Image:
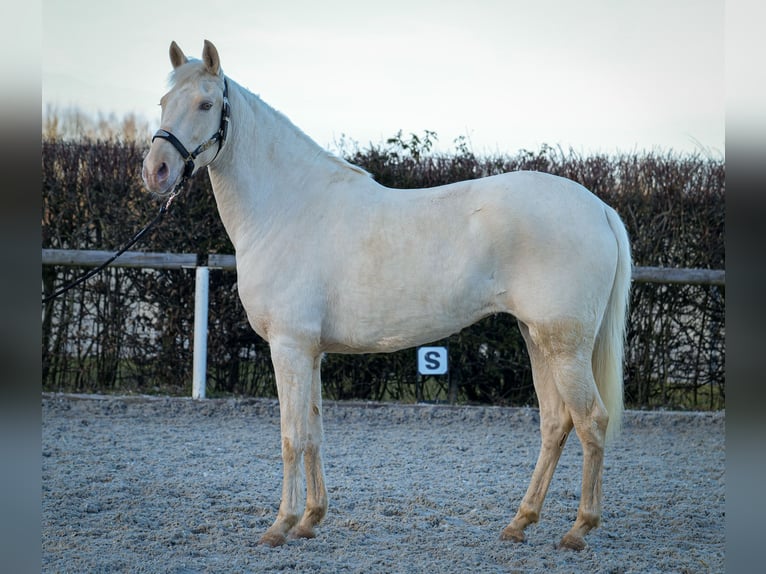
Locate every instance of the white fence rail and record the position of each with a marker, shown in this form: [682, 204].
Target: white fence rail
[202, 265]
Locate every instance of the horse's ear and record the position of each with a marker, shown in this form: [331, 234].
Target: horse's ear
[177, 57]
[211, 59]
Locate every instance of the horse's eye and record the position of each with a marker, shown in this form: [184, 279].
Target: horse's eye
[205, 106]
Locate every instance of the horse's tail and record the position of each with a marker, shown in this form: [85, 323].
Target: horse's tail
[608, 350]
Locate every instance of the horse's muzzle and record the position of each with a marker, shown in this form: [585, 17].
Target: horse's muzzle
[157, 176]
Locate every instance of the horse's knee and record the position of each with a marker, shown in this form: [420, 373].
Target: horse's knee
[292, 450]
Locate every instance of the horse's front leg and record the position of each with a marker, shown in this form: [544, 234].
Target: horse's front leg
[316, 491]
[293, 367]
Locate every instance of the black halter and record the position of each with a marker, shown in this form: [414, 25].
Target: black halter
[218, 137]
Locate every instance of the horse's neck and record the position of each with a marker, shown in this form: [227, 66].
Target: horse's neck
[270, 168]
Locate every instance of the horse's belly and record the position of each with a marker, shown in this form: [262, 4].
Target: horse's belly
[387, 324]
[385, 341]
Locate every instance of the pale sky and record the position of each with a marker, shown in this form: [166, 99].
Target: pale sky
[595, 75]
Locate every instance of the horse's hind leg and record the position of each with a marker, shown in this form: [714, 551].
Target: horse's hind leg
[561, 362]
[316, 491]
[590, 421]
[555, 425]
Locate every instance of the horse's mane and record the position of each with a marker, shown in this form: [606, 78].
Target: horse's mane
[251, 97]
[198, 72]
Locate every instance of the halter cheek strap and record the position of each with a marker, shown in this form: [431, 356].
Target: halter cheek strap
[218, 137]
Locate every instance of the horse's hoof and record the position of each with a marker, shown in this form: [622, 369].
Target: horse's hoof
[302, 532]
[512, 535]
[572, 542]
[272, 539]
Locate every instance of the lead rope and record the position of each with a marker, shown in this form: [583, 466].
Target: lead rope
[157, 218]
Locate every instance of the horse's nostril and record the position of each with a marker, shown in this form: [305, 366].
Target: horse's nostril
[162, 173]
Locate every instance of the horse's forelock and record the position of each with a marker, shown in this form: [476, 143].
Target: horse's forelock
[193, 70]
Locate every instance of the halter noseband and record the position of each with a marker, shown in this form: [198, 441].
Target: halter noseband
[218, 137]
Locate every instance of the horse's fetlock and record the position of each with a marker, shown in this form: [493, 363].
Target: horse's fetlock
[315, 514]
[589, 518]
[528, 514]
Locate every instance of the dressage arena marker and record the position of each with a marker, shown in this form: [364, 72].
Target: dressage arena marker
[432, 360]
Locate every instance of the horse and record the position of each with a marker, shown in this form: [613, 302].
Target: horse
[330, 261]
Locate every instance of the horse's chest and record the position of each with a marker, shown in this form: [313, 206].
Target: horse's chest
[281, 307]
[256, 305]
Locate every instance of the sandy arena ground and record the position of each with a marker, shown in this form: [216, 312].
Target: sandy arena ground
[171, 485]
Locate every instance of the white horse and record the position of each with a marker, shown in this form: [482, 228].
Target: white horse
[328, 260]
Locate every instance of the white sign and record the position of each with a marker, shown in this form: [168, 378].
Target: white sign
[432, 360]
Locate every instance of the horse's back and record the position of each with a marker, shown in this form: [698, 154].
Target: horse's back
[419, 265]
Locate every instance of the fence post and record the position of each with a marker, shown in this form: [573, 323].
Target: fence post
[199, 371]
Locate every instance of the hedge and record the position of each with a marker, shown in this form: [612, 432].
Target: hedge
[130, 330]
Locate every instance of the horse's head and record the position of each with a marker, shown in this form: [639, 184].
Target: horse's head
[195, 107]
